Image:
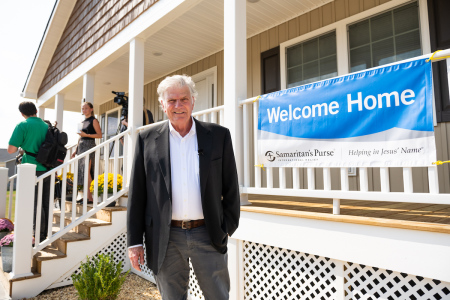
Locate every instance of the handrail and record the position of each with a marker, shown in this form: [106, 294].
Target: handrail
[247, 101]
[209, 110]
[85, 214]
[73, 224]
[84, 154]
[440, 55]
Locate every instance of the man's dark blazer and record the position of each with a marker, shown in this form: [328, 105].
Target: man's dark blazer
[150, 194]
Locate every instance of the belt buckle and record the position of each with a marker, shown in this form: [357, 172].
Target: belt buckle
[183, 224]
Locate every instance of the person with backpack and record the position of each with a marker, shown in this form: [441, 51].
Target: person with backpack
[29, 135]
[90, 131]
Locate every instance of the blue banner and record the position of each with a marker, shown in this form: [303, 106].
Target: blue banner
[385, 104]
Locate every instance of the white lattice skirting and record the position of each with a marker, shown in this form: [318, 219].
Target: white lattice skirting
[275, 273]
[118, 246]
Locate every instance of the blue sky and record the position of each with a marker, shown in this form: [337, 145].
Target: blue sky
[22, 26]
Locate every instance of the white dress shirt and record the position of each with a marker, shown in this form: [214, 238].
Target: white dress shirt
[185, 175]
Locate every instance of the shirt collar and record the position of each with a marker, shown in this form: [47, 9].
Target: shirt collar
[174, 133]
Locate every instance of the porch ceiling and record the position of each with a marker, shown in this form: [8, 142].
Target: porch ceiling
[196, 34]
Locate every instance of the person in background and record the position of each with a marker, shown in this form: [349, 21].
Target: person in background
[29, 135]
[147, 118]
[90, 131]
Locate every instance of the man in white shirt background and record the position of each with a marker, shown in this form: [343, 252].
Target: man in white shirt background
[184, 197]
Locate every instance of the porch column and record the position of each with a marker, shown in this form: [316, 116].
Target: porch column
[41, 112]
[88, 87]
[135, 96]
[59, 108]
[235, 77]
[23, 223]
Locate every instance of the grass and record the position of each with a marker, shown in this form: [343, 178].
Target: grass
[13, 205]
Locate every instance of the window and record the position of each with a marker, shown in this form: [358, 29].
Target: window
[270, 69]
[312, 60]
[386, 38]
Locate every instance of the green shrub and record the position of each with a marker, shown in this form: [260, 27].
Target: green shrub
[100, 278]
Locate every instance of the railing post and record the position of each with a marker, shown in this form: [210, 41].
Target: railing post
[23, 227]
[236, 268]
[3, 190]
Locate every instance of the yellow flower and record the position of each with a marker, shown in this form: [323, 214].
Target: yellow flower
[69, 175]
[101, 183]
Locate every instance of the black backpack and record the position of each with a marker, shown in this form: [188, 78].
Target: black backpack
[52, 152]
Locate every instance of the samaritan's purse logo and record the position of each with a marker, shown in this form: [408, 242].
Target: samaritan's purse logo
[270, 157]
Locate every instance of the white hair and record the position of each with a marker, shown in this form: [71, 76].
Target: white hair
[176, 81]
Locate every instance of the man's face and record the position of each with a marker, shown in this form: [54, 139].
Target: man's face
[178, 106]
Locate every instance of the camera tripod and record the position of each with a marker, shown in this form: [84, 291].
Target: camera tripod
[120, 128]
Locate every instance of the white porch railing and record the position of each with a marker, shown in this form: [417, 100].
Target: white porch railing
[23, 225]
[250, 105]
[210, 115]
[250, 124]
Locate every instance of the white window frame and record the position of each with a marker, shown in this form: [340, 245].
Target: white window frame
[118, 109]
[341, 29]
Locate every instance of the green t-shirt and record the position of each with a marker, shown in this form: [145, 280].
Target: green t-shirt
[29, 135]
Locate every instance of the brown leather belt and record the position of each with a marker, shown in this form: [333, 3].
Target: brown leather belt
[188, 224]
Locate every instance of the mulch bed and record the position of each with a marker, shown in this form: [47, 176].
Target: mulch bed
[135, 287]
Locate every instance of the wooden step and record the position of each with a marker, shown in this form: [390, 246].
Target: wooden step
[58, 248]
[48, 253]
[71, 236]
[104, 214]
[90, 222]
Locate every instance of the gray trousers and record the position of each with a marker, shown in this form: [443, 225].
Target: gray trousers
[210, 266]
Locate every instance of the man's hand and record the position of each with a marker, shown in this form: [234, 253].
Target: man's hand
[136, 255]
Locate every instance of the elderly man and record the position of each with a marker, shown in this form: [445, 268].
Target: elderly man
[184, 197]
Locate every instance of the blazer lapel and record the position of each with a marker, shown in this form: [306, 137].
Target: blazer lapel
[163, 152]
[204, 140]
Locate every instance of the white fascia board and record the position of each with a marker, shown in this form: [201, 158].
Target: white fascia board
[28, 95]
[156, 17]
[415, 252]
[50, 41]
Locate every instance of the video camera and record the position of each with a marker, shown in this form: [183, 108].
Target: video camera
[121, 99]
